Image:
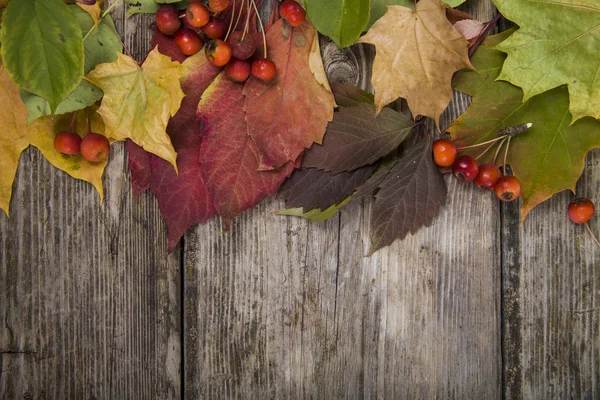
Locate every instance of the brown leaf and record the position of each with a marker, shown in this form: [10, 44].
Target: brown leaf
[417, 52]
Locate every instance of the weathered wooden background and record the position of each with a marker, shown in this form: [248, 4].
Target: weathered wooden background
[476, 306]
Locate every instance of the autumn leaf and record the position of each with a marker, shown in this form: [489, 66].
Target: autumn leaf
[371, 185]
[358, 137]
[228, 154]
[287, 115]
[316, 214]
[311, 188]
[417, 52]
[183, 198]
[410, 196]
[139, 101]
[557, 44]
[548, 157]
[16, 136]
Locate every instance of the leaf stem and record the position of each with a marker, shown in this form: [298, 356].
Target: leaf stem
[262, 28]
[482, 143]
[118, 38]
[592, 234]
[104, 14]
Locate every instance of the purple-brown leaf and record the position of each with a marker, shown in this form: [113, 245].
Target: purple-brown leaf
[358, 137]
[410, 197]
[312, 188]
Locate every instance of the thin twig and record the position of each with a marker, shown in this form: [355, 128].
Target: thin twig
[231, 19]
[485, 151]
[72, 122]
[480, 144]
[498, 151]
[118, 38]
[592, 234]
[506, 153]
[262, 28]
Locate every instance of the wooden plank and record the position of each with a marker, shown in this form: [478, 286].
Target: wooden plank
[89, 299]
[551, 292]
[282, 308]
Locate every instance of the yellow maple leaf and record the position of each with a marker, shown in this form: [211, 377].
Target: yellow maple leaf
[93, 10]
[139, 101]
[417, 52]
[16, 136]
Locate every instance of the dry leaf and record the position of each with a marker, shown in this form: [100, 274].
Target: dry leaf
[469, 28]
[417, 52]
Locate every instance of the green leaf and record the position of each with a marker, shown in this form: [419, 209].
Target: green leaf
[548, 157]
[42, 48]
[149, 6]
[557, 44]
[83, 96]
[341, 20]
[316, 214]
[101, 46]
[454, 3]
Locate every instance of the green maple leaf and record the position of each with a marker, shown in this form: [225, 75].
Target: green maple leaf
[341, 20]
[557, 44]
[547, 158]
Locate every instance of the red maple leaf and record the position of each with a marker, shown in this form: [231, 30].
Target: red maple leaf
[183, 199]
[288, 114]
[228, 155]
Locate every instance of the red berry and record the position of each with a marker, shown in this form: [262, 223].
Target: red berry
[218, 5]
[67, 143]
[215, 29]
[465, 168]
[241, 49]
[292, 12]
[197, 15]
[581, 210]
[167, 20]
[487, 177]
[95, 147]
[188, 41]
[238, 70]
[508, 188]
[218, 52]
[444, 152]
[264, 69]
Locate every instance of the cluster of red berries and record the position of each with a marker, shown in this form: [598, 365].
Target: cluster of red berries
[230, 50]
[465, 168]
[93, 147]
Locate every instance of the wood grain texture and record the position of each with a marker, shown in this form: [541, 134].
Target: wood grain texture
[89, 299]
[551, 298]
[283, 308]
